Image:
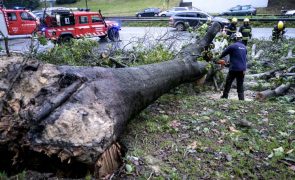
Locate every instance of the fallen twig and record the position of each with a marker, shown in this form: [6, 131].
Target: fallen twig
[118, 64]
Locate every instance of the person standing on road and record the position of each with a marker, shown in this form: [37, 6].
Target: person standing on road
[246, 31]
[237, 65]
[232, 28]
[278, 31]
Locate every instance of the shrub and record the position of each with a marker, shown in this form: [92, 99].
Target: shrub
[77, 53]
[155, 55]
[30, 4]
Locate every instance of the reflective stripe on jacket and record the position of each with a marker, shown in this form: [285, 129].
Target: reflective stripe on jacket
[246, 32]
[231, 29]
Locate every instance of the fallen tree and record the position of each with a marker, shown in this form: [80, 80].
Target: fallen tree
[71, 117]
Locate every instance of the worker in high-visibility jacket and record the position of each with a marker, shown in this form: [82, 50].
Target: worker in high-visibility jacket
[278, 31]
[246, 31]
[232, 28]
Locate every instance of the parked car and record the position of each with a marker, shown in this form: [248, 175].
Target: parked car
[148, 12]
[39, 14]
[173, 11]
[240, 11]
[182, 20]
[290, 13]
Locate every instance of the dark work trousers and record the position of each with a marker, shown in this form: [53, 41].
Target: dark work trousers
[245, 42]
[231, 76]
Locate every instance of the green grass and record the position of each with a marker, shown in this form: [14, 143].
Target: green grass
[123, 7]
[187, 135]
[197, 137]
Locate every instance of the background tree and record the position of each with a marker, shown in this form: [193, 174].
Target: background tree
[30, 4]
[65, 1]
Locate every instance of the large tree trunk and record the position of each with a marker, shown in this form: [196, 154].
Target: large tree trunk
[74, 114]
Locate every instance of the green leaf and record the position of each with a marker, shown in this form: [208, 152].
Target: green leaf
[129, 168]
[206, 130]
[278, 151]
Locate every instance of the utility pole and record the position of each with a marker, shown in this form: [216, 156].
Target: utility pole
[86, 4]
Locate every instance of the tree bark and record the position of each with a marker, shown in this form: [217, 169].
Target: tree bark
[76, 113]
[291, 69]
[271, 93]
[5, 43]
[290, 53]
[258, 54]
[253, 85]
[264, 75]
[253, 50]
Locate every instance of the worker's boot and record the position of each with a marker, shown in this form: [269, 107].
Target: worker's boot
[224, 96]
[241, 96]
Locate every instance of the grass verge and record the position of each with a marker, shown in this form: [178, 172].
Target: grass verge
[126, 7]
[188, 136]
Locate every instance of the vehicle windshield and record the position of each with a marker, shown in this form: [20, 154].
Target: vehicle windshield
[33, 15]
[235, 8]
[209, 16]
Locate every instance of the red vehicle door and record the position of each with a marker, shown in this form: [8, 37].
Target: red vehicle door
[28, 22]
[14, 27]
[82, 27]
[97, 26]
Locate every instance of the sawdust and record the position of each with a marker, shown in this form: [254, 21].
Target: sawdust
[233, 95]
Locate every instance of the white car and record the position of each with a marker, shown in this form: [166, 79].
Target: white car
[173, 11]
[290, 13]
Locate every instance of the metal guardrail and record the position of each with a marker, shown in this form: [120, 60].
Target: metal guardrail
[136, 19]
[268, 19]
[159, 19]
[276, 15]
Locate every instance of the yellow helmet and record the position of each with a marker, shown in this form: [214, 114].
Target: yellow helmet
[234, 20]
[246, 20]
[280, 25]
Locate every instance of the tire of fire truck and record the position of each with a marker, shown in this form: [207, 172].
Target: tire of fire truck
[113, 34]
[65, 38]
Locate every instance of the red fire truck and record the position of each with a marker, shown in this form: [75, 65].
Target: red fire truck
[17, 23]
[62, 25]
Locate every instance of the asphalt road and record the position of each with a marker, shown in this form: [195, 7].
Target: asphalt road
[147, 36]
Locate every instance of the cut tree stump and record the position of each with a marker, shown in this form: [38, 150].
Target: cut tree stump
[72, 115]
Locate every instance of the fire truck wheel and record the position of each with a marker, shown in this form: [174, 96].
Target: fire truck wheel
[102, 37]
[66, 38]
[113, 34]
